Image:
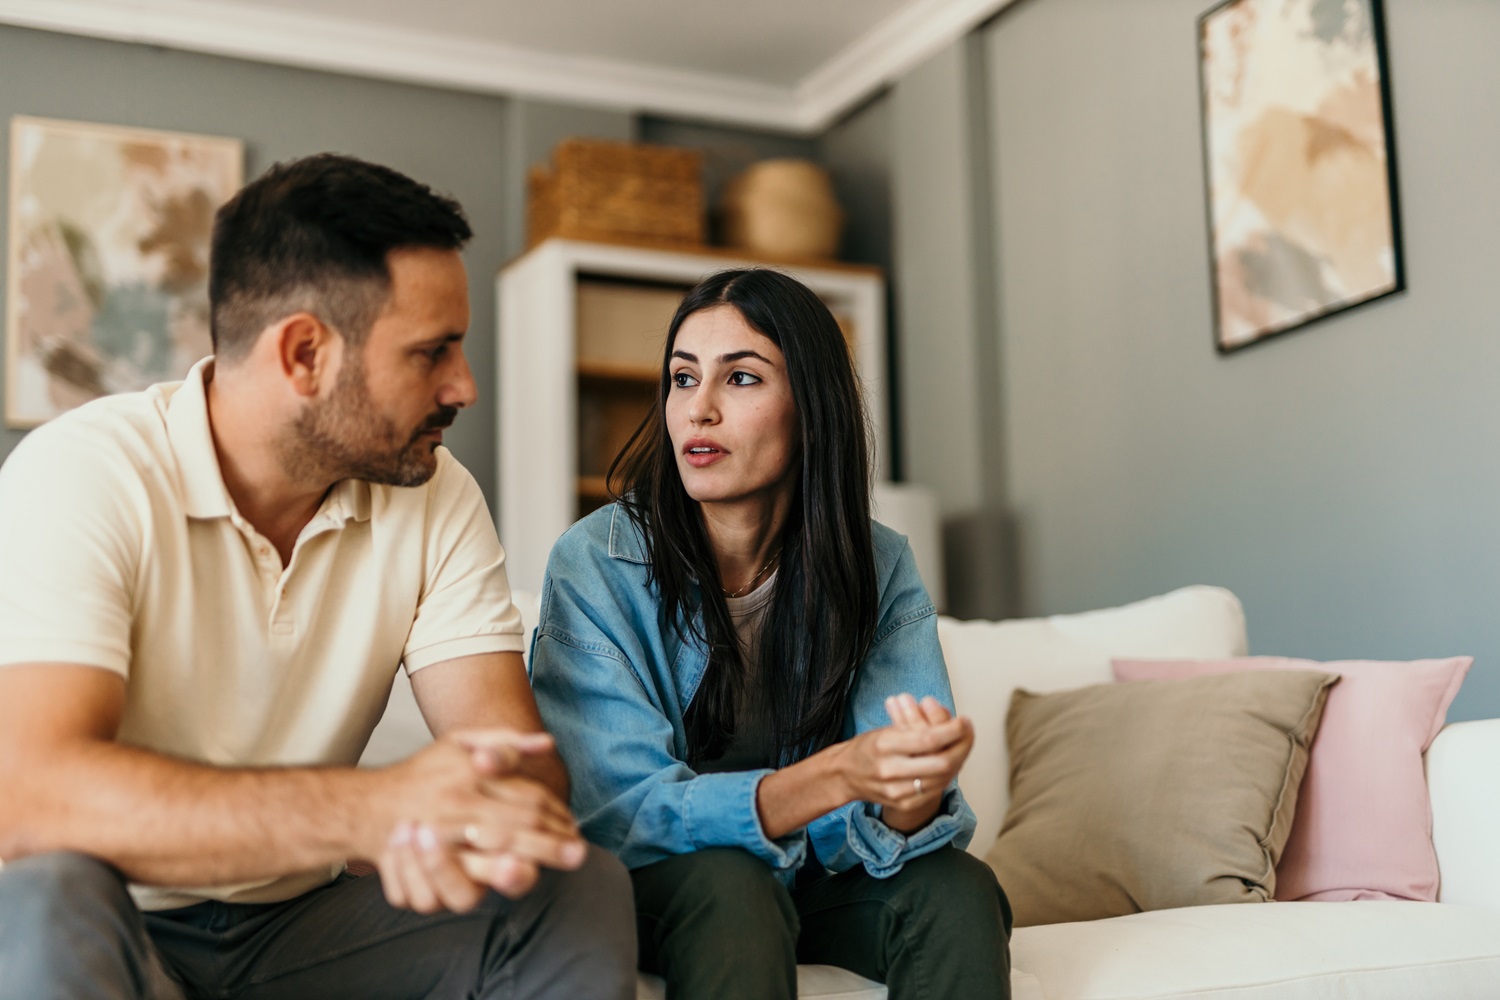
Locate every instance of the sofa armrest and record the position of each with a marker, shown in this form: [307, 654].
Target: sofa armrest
[1463, 778]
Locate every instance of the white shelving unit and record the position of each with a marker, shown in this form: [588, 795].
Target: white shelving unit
[539, 371]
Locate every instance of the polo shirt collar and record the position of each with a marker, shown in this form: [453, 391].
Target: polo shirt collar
[349, 500]
[204, 494]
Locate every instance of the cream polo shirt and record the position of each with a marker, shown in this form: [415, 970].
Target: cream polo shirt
[121, 549]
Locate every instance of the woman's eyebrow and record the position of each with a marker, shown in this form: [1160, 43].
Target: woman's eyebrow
[729, 358]
[733, 356]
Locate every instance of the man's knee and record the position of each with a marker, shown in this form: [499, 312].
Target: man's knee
[600, 888]
[578, 938]
[40, 892]
[68, 928]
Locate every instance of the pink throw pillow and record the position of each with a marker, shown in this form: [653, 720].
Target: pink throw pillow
[1363, 828]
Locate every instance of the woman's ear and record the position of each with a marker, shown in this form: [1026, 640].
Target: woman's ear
[306, 352]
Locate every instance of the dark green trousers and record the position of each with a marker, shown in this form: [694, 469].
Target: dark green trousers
[719, 926]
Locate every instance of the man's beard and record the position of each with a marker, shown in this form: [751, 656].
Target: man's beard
[343, 437]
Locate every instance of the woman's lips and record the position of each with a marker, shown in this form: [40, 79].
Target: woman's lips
[700, 457]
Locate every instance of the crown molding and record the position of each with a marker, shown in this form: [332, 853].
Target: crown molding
[353, 47]
[879, 57]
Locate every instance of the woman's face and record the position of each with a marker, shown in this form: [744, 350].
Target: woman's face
[730, 412]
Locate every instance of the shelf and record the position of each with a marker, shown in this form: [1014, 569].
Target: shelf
[726, 256]
[613, 371]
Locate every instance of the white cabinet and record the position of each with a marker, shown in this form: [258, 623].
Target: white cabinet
[569, 396]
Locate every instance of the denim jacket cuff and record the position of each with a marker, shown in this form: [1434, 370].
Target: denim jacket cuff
[884, 850]
[718, 810]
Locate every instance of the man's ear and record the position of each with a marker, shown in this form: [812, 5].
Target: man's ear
[307, 351]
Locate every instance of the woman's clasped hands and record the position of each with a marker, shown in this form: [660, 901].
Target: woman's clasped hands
[907, 766]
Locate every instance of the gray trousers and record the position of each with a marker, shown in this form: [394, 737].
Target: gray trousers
[69, 929]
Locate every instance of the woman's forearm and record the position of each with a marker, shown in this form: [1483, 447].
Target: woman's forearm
[799, 793]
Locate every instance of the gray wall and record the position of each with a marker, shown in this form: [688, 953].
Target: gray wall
[1343, 480]
[477, 148]
[726, 151]
[452, 141]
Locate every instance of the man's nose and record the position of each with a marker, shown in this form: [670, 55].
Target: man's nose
[460, 390]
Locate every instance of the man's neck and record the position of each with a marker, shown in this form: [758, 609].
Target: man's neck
[244, 434]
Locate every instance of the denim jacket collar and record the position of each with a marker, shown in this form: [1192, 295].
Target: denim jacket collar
[625, 539]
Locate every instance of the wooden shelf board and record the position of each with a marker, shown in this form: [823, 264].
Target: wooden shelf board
[593, 486]
[611, 371]
[728, 254]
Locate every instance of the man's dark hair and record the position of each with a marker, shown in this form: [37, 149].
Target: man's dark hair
[312, 235]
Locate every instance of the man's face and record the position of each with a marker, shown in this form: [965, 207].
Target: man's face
[384, 419]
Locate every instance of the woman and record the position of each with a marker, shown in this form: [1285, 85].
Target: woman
[743, 675]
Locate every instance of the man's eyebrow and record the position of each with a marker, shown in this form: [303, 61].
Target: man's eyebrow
[443, 338]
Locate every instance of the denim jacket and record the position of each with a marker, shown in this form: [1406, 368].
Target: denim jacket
[614, 680]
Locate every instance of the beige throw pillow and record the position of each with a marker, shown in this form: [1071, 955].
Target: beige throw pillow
[1151, 795]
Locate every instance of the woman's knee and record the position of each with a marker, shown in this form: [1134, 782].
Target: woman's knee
[958, 885]
[717, 890]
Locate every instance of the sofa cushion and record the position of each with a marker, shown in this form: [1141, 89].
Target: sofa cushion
[1129, 797]
[989, 660]
[1284, 951]
[1364, 824]
[824, 982]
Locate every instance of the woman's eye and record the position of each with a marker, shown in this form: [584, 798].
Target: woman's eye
[743, 378]
[683, 380]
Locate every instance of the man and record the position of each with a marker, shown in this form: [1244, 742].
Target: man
[205, 591]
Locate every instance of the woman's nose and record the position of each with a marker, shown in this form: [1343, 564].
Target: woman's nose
[704, 408]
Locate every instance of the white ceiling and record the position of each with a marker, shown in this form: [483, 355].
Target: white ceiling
[773, 41]
[792, 64]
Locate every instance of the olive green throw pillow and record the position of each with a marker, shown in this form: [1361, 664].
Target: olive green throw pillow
[1155, 794]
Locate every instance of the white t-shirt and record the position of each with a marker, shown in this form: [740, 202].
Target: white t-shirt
[122, 550]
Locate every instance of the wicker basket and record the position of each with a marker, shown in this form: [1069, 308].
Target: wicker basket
[617, 192]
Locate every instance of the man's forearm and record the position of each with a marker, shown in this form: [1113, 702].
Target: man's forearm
[550, 771]
[170, 822]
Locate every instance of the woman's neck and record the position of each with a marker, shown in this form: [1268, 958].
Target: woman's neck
[746, 539]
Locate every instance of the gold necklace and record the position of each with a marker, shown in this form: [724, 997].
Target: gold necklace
[746, 588]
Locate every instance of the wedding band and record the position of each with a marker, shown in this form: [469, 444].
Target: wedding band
[471, 835]
[917, 784]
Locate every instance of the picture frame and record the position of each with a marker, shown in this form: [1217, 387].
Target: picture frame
[1304, 217]
[107, 259]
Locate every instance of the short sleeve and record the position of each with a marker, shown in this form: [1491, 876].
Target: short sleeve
[71, 523]
[465, 607]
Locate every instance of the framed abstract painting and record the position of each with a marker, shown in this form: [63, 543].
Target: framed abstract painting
[107, 270]
[1300, 163]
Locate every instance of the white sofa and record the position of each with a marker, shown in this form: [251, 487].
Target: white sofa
[1449, 950]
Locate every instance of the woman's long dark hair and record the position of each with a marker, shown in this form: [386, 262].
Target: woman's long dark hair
[825, 599]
